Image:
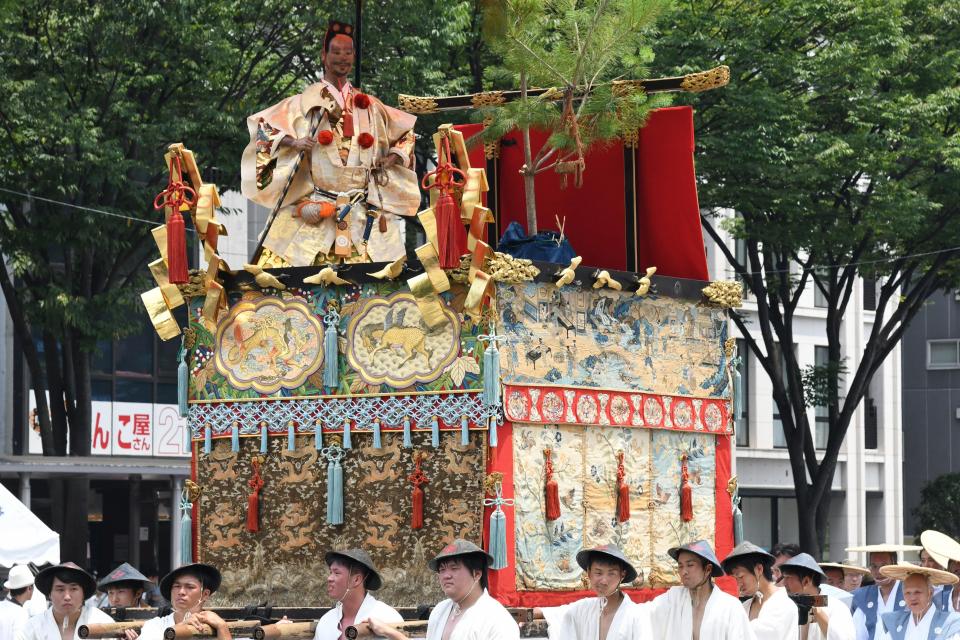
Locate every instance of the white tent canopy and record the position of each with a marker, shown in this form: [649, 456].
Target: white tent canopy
[23, 536]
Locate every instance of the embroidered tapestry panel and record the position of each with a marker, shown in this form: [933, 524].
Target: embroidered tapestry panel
[606, 339]
[585, 467]
[284, 560]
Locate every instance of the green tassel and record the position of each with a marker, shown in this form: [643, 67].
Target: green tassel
[407, 438]
[207, 437]
[737, 518]
[376, 435]
[183, 381]
[331, 354]
[434, 432]
[491, 375]
[335, 493]
[464, 431]
[493, 431]
[497, 545]
[235, 438]
[498, 538]
[186, 530]
[347, 442]
[737, 393]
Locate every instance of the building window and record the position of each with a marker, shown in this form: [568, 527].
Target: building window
[741, 422]
[870, 425]
[821, 432]
[869, 294]
[943, 354]
[819, 299]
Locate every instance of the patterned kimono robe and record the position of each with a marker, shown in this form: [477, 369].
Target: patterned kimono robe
[937, 624]
[341, 167]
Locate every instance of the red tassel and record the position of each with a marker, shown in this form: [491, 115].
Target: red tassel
[623, 491]
[348, 124]
[552, 489]
[253, 500]
[417, 478]
[177, 249]
[176, 194]
[686, 491]
[416, 520]
[451, 234]
[253, 512]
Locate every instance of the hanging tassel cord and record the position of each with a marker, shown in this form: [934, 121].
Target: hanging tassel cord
[177, 194]
[551, 488]
[491, 366]
[686, 491]
[331, 350]
[623, 491]
[253, 500]
[186, 527]
[418, 478]
[183, 379]
[334, 454]
[451, 234]
[497, 546]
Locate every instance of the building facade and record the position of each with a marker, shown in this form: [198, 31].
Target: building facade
[931, 398]
[867, 501]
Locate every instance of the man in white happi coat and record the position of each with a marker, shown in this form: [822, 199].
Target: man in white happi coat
[945, 551]
[187, 588]
[921, 619]
[356, 150]
[611, 615]
[772, 614]
[67, 586]
[801, 575]
[886, 595]
[698, 610]
[13, 614]
[352, 577]
[468, 613]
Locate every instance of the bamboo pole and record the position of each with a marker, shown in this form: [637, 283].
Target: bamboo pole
[238, 628]
[287, 631]
[108, 630]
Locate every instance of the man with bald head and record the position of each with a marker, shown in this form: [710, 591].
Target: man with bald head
[921, 619]
[884, 596]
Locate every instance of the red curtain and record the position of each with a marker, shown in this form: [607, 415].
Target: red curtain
[653, 221]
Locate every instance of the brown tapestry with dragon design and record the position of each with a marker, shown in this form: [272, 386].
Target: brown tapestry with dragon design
[283, 562]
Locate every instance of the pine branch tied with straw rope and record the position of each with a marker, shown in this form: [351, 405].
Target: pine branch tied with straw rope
[581, 48]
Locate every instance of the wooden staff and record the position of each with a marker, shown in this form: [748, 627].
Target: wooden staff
[108, 630]
[362, 630]
[523, 616]
[238, 628]
[287, 631]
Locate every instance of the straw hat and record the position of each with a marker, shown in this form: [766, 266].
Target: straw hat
[610, 552]
[884, 548]
[901, 570]
[940, 546]
[373, 580]
[846, 568]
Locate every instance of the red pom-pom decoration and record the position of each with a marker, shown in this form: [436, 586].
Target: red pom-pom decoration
[361, 101]
[365, 140]
[325, 137]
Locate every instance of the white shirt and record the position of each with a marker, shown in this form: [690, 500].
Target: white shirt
[840, 625]
[328, 628]
[154, 627]
[671, 617]
[580, 620]
[486, 619]
[12, 617]
[777, 618]
[860, 620]
[44, 626]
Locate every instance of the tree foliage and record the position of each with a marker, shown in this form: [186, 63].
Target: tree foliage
[579, 47]
[939, 507]
[93, 94]
[836, 144]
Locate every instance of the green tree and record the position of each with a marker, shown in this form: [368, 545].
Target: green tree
[836, 144]
[93, 93]
[579, 47]
[939, 507]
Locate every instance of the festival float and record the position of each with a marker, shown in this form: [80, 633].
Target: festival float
[534, 408]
